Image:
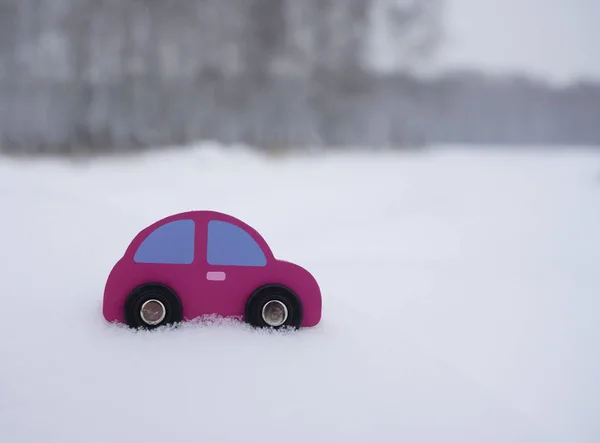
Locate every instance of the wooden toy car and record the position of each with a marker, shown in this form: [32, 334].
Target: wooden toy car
[200, 263]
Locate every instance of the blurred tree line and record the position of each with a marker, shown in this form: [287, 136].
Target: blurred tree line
[101, 75]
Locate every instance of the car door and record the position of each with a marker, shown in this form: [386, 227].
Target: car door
[235, 264]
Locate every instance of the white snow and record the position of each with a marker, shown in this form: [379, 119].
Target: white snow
[461, 299]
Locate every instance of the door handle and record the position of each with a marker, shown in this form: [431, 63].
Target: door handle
[215, 276]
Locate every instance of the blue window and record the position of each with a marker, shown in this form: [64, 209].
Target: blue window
[230, 245]
[172, 243]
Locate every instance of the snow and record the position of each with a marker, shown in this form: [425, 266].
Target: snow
[460, 300]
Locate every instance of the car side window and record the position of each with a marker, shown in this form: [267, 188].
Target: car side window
[172, 243]
[230, 245]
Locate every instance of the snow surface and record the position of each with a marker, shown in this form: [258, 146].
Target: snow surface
[461, 300]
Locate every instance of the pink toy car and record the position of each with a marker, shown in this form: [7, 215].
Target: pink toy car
[204, 262]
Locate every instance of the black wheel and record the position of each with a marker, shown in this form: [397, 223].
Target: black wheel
[151, 306]
[275, 307]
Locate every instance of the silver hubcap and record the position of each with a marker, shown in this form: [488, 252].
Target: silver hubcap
[274, 313]
[153, 312]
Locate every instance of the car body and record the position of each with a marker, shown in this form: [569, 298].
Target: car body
[212, 262]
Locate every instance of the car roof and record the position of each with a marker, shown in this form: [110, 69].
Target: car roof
[200, 217]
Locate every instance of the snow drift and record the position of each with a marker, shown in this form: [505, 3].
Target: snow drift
[460, 297]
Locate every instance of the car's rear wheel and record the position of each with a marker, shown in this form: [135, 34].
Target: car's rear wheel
[152, 306]
[275, 307]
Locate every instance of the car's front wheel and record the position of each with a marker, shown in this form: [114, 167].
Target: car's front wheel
[151, 306]
[274, 306]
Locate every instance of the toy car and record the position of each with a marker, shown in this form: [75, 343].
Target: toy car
[200, 263]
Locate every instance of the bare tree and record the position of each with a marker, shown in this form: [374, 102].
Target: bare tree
[113, 73]
[404, 33]
[265, 34]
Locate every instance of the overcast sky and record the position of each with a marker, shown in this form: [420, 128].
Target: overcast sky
[557, 39]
